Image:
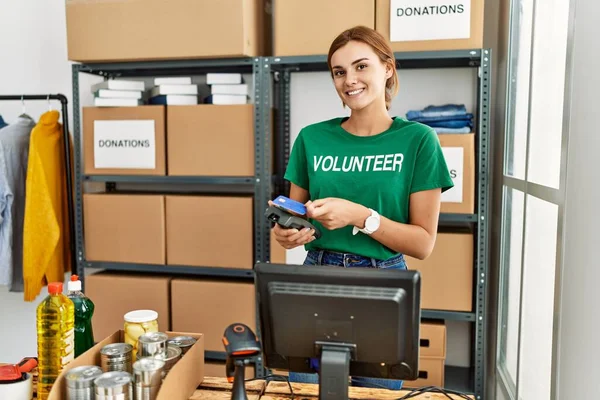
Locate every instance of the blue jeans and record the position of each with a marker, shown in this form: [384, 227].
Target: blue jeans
[322, 257]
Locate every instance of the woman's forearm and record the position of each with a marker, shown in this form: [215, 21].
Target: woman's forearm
[411, 240]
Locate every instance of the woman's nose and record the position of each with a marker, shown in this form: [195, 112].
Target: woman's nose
[350, 78]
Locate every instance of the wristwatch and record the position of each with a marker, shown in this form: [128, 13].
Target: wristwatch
[371, 224]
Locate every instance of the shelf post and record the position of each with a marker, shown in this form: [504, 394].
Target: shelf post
[78, 178]
[481, 279]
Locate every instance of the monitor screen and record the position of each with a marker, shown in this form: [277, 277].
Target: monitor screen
[373, 314]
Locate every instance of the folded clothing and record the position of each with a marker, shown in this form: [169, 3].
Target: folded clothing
[459, 121]
[451, 116]
[446, 110]
[439, 130]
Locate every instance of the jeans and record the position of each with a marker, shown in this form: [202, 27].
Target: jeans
[347, 260]
[438, 130]
[446, 110]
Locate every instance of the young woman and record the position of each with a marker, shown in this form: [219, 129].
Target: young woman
[371, 182]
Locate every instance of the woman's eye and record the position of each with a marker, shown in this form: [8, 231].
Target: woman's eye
[362, 66]
[339, 73]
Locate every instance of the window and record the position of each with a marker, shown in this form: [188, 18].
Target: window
[512, 252]
[532, 198]
[518, 91]
[539, 268]
[547, 88]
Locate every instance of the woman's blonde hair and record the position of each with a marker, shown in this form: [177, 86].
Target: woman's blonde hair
[380, 46]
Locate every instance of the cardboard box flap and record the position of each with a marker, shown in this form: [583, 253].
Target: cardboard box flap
[187, 374]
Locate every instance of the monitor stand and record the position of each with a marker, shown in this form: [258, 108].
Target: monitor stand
[334, 369]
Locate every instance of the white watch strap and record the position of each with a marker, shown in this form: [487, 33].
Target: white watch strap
[356, 229]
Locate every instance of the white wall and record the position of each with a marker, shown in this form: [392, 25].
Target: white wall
[33, 51]
[33, 54]
[578, 364]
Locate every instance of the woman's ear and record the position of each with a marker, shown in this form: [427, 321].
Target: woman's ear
[388, 71]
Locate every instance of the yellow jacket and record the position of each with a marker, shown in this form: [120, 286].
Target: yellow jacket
[46, 255]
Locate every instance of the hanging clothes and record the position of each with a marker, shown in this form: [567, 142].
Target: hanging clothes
[46, 255]
[14, 150]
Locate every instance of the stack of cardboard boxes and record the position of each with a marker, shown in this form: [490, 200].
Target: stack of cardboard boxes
[127, 30]
[202, 140]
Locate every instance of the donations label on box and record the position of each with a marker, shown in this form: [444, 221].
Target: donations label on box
[455, 160]
[124, 144]
[412, 20]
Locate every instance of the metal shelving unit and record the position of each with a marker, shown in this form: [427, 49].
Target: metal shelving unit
[258, 185]
[272, 75]
[471, 379]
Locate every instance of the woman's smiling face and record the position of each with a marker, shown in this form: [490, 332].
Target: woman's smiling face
[359, 75]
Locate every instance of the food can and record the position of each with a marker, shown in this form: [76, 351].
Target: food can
[80, 382]
[115, 385]
[148, 371]
[183, 342]
[151, 343]
[170, 358]
[146, 392]
[116, 357]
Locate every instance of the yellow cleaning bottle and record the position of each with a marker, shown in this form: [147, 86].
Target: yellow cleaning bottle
[55, 337]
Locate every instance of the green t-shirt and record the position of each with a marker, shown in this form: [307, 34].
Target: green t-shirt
[379, 172]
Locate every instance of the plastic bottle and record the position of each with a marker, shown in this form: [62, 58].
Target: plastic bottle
[55, 337]
[84, 310]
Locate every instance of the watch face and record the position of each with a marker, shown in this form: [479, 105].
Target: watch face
[372, 223]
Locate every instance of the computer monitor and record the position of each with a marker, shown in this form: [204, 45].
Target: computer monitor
[356, 321]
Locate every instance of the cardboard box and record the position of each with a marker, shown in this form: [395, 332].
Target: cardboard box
[210, 231]
[327, 19]
[210, 306]
[128, 30]
[447, 274]
[180, 383]
[215, 140]
[431, 373]
[432, 342]
[459, 151]
[124, 228]
[421, 26]
[124, 140]
[128, 292]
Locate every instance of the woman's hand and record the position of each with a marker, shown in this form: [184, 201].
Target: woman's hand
[292, 238]
[335, 213]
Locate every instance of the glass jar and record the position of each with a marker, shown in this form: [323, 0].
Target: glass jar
[137, 323]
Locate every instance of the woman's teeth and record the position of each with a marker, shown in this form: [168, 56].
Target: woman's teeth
[354, 92]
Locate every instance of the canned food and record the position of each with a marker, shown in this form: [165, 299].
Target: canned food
[137, 323]
[115, 385]
[183, 342]
[172, 355]
[147, 371]
[147, 378]
[146, 392]
[152, 343]
[80, 382]
[116, 357]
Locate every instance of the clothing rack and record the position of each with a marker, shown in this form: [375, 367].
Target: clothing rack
[67, 156]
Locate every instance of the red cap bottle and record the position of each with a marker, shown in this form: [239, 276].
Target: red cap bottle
[55, 287]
